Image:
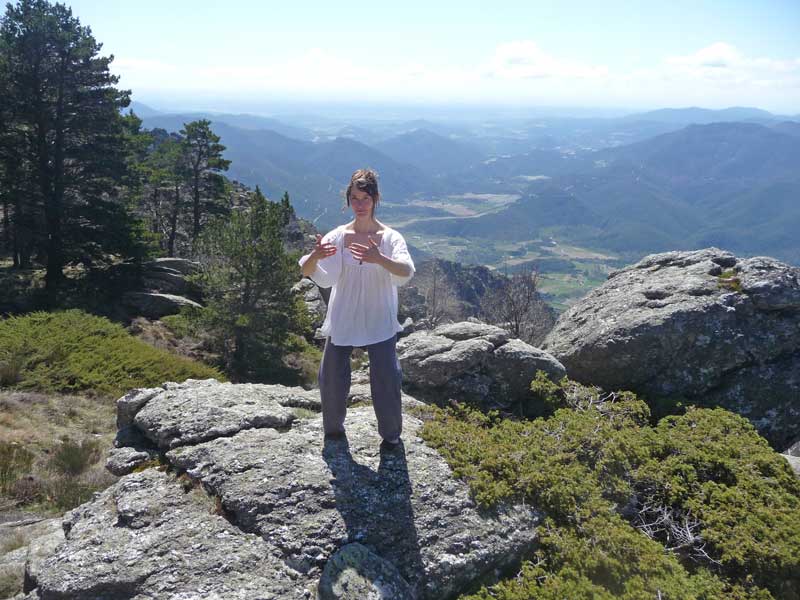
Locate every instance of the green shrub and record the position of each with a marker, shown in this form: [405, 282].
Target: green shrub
[66, 492]
[184, 324]
[73, 458]
[72, 351]
[303, 358]
[612, 487]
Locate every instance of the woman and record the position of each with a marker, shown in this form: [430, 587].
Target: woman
[362, 309]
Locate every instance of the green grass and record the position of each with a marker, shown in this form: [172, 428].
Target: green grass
[728, 280]
[72, 351]
[598, 469]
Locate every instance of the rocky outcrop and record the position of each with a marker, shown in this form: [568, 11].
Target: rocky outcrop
[794, 462]
[316, 307]
[155, 305]
[249, 503]
[155, 288]
[704, 325]
[474, 362]
[39, 539]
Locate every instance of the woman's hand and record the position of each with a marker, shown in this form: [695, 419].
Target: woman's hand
[368, 254]
[321, 250]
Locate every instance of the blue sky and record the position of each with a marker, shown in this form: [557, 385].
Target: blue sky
[621, 54]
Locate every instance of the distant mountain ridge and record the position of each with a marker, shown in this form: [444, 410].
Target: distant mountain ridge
[430, 152]
[702, 116]
[633, 185]
[733, 185]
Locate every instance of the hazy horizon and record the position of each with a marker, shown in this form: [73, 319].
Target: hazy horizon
[292, 108]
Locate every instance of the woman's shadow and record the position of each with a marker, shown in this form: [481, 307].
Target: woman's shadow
[376, 506]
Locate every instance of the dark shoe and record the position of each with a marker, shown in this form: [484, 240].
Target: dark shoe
[387, 446]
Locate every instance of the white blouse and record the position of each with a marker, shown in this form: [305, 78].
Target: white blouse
[362, 308]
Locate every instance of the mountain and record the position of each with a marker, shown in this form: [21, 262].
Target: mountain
[703, 115]
[141, 110]
[788, 127]
[430, 152]
[314, 174]
[716, 151]
[734, 185]
[175, 122]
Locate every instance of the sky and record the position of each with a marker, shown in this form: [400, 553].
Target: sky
[638, 55]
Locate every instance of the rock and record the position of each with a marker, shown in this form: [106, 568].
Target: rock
[515, 363]
[144, 537]
[315, 303]
[40, 548]
[472, 361]
[121, 461]
[794, 462]
[703, 325]
[464, 357]
[40, 537]
[154, 305]
[269, 509]
[794, 449]
[182, 265]
[469, 329]
[355, 573]
[219, 409]
[168, 281]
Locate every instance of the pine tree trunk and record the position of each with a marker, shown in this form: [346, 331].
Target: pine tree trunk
[196, 229]
[6, 226]
[173, 222]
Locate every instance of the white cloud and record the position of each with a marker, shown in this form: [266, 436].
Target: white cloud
[525, 60]
[520, 71]
[724, 63]
[718, 55]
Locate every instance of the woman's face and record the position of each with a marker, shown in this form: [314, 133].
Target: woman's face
[361, 203]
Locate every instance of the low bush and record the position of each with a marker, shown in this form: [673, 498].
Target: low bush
[698, 506]
[73, 458]
[14, 462]
[72, 351]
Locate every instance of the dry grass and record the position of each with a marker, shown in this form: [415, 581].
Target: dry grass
[35, 420]
[69, 437]
[13, 540]
[10, 581]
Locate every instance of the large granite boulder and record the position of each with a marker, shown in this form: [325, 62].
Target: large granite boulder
[181, 265]
[155, 305]
[472, 361]
[249, 503]
[703, 325]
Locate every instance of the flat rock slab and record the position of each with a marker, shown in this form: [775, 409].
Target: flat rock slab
[404, 505]
[188, 415]
[145, 537]
[264, 512]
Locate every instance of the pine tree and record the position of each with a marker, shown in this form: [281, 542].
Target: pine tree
[61, 101]
[204, 161]
[246, 281]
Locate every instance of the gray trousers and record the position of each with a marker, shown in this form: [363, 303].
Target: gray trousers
[385, 378]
